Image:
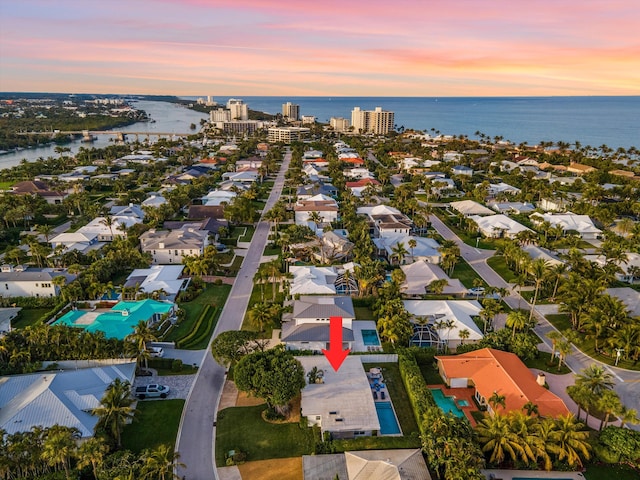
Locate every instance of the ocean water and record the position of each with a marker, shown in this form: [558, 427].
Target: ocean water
[595, 121]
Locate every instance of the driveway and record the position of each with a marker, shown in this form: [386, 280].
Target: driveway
[179, 385]
[196, 436]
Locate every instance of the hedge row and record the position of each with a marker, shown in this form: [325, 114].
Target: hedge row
[206, 331]
[420, 396]
[185, 340]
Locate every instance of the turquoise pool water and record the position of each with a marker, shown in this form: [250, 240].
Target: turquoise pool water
[387, 418]
[463, 403]
[370, 337]
[446, 404]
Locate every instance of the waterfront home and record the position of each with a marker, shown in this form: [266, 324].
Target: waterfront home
[63, 398]
[170, 247]
[492, 371]
[19, 281]
[244, 176]
[340, 403]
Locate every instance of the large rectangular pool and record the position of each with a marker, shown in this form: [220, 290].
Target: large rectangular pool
[387, 417]
[446, 404]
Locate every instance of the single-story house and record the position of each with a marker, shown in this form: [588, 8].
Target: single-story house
[469, 207]
[159, 278]
[536, 252]
[497, 188]
[420, 274]
[426, 248]
[492, 371]
[429, 319]
[57, 398]
[462, 170]
[628, 296]
[629, 268]
[342, 403]
[401, 464]
[312, 280]
[512, 207]
[581, 224]
[499, 225]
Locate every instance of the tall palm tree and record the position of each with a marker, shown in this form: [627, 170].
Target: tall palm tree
[160, 463]
[608, 403]
[495, 436]
[259, 315]
[109, 222]
[115, 409]
[141, 335]
[399, 252]
[569, 441]
[595, 379]
[412, 244]
[59, 447]
[538, 269]
[496, 399]
[92, 453]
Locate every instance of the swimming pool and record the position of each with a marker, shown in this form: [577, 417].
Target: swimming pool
[370, 337]
[387, 417]
[463, 403]
[446, 404]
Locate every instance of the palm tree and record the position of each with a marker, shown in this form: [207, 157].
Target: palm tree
[558, 271]
[564, 349]
[115, 409]
[496, 399]
[569, 441]
[316, 218]
[259, 315]
[464, 334]
[628, 415]
[495, 436]
[140, 336]
[45, 230]
[608, 403]
[109, 222]
[412, 244]
[59, 447]
[530, 408]
[160, 463]
[399, 252]
[538, 270]
[92, 453]
[518, 320]
[595, 379]
[555, 336]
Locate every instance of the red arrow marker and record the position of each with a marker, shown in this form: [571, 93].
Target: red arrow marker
[335, 354]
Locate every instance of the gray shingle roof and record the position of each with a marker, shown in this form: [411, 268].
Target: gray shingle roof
[323, 307]
[310, 332]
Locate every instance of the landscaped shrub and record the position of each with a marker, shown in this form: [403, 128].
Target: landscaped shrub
[189, 338]
[419, 395]
[176, 365]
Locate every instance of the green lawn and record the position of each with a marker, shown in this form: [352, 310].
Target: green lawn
[29, 316]
[498, 263]
[465, 274]
[163, 367]
[607, 471]
[399, 397]
[6, 185]
[242, 428]
[272, 250]
[156, 422]
[470, 238]
[377, 443]
[542, 363]
[243, 233]
[363, 313]
[212, 295]
[431, 375]
[587, 345]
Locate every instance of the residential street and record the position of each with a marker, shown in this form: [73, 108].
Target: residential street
[627, 382]
[196, 436]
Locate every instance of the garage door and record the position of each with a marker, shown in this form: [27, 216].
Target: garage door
[458, 383]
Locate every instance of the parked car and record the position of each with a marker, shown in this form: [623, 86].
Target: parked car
[155, 351]
[477, 291]
[152, 391]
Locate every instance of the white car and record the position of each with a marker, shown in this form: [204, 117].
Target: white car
[156, 352]
[477, 291]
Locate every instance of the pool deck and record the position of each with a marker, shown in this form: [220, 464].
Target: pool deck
[387, 399]
[358, 342]
[460, 394]
[511, 474]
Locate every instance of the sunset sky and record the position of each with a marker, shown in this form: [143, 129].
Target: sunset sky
[329, 47]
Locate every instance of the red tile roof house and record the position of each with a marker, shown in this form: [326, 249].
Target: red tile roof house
[489, 370]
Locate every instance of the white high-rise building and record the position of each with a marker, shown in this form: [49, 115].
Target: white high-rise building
[378, 121]
[239, 110]
[339, 124]
[219, 115]
[291, 111]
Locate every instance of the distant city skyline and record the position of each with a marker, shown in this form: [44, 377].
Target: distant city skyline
[330, 48]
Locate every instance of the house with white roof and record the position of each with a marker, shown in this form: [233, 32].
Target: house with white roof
[498, 226]
[629, 269]
[498, 188]
[154, 200]
[57, 398]
[165, 278]
[243, 176]
[80, 241]
[469, 207]
[430, 317]
[462, 170]
[341, 403]
[334, 246]
[307, 327]
[536, 252]
[512, 207]
[628, 296]
[358, 173]
[420, 274]
[570, 222]
[131, 210]
[218, 197]
[426, 248]
[312, 280]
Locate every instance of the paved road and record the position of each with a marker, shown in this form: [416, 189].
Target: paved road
[627, 381]
[196, 437]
